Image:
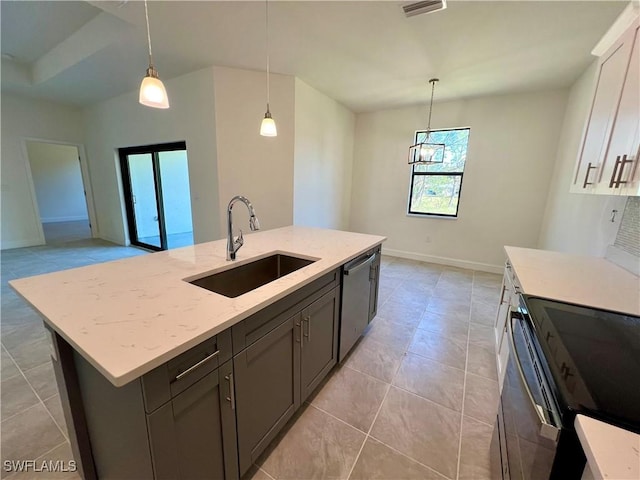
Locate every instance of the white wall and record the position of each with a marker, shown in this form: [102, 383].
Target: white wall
[57, 179]
[323, 159]
[27, 118]
[512, 148]
[574, 222]
[260, 168]
[123, 122]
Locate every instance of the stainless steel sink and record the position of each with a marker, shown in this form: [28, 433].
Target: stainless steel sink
[244, 278]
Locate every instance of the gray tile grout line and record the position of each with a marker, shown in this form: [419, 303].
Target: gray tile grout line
[464, 391]
[260, 469]
[40, 401]
[353, 466]
[391, 385]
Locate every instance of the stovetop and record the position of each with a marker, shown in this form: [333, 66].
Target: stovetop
[594, 359]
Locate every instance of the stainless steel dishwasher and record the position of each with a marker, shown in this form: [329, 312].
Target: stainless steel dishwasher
[359, 298]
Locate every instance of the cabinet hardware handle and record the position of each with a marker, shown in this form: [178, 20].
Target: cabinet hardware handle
[300, 324]
[623, 162]
[504, 288]
[308, 320]
[615, 170]
[232, 394]
[586, 177]
[193, 367]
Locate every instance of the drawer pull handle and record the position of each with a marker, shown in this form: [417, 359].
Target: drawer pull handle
[615, 170]
[232, 394]
[193, 367]
[586, 177]
[504, 289]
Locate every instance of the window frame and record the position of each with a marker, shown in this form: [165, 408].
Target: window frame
[436, 174]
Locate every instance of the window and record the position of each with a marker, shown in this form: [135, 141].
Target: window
[435, 189]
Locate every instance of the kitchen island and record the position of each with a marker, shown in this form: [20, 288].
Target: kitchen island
[127, 333]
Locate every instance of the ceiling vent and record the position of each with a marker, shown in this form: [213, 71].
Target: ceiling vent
[427, 6]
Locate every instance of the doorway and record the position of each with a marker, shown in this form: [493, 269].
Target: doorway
[59, 191]
[157, 196]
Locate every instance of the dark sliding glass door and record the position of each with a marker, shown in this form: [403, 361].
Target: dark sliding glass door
[155, 179]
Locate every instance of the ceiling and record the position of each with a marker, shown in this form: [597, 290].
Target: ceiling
[365, 54]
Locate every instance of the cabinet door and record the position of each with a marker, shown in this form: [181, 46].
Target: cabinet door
[624, 177]
[611, 74]
[267, 388]
[193, 435]
[319, 349]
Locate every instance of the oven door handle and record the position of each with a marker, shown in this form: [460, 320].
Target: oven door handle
[547, 430]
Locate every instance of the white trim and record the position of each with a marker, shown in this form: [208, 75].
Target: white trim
[34, 200]
[116, 241]
[629, 15]
[452, 262]
[432, 215]
[86, 182]
[9, 244]
[72, 218]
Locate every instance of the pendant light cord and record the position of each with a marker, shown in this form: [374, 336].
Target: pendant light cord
[146, 15]
[266, 3]
[433, 82]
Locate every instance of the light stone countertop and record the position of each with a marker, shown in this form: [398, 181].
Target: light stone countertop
[611, 452]
[129, 316]
[581, 280]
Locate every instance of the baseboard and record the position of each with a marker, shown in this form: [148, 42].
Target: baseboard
[113, 240]
[64, 219]
[452, 262]
[9, 244]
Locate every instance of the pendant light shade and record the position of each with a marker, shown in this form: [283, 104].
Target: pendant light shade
[427, 152]
[268, 125]
[152, 91]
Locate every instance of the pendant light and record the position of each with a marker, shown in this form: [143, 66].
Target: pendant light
[427, 153]
[268, 125]
[152, 91]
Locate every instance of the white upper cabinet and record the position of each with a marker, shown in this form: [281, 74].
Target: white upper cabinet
[608, 156]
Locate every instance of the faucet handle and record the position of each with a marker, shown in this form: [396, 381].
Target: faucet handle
[239, 241]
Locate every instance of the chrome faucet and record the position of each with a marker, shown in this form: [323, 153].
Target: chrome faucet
[233, 245]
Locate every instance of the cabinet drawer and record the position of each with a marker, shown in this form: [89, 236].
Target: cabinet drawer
[172, 378]
[258, 325]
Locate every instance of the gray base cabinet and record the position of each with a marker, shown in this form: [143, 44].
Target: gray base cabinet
[277, 373]
[211, 411]
[267, 388]
[175, 422]
[194, 435]
[319, 342]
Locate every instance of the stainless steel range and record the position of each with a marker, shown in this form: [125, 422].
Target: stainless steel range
[564, 360]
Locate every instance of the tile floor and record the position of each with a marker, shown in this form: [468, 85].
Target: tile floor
[416, 398]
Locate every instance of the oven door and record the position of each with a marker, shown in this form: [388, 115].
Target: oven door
[528, 421]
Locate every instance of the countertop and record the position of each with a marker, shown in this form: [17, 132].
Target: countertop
[129, 316]
[582, 280]
[611, 452]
